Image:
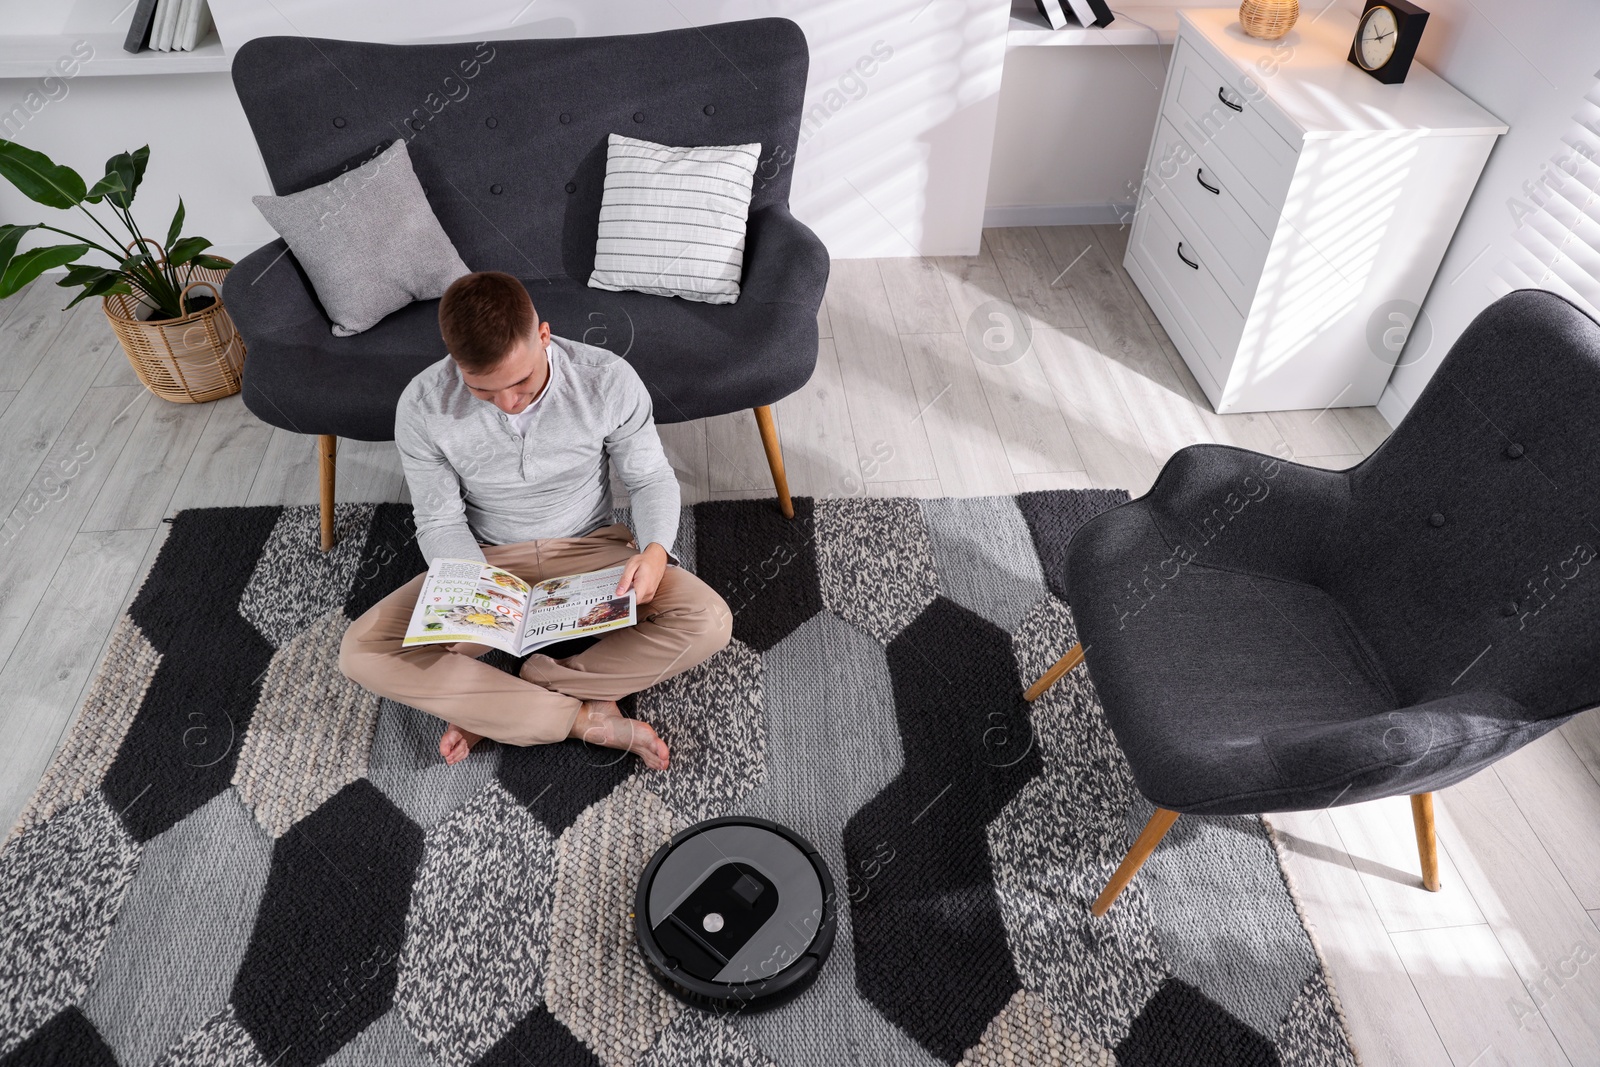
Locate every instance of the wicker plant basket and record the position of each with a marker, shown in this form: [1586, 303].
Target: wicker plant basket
[1268, 19]
[188, 360]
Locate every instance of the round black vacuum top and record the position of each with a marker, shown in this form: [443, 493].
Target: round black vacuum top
[735, 911]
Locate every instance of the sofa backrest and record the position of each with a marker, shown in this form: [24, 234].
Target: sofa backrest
[509, 137]
[1470, 557]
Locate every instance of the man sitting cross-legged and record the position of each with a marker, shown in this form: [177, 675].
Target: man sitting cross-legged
[507, 444]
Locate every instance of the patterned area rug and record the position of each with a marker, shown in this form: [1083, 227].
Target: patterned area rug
[241, 858]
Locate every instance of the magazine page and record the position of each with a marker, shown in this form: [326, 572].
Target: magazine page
[464, 600]
[579, 605]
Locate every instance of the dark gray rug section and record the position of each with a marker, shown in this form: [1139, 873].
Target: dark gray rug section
[239, 858]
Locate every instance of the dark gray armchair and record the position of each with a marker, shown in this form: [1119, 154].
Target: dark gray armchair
[509, 141]
[1266, 636]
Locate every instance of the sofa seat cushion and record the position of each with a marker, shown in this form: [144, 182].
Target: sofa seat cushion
[301, 378]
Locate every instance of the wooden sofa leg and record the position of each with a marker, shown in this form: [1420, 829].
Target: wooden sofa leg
[327, 448]
[1427, 843]
[1050, 677]
[769, 441]
[1148, 839]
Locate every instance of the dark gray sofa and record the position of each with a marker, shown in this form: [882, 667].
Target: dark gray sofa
[509, 141]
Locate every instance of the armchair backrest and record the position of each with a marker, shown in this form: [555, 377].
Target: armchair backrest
[509, 137]
[1470, 555]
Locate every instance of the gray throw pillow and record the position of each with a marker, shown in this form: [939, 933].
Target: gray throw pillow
[368, 240]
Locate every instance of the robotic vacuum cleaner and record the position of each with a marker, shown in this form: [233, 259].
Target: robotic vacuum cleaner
[735, 914]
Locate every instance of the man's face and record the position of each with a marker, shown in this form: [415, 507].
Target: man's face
[512, 383]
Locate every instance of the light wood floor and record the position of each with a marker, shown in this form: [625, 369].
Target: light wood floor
[1500, 967]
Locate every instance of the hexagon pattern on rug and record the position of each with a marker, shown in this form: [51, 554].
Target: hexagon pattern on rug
[696, 1039]
[712, 718]
[295, 581]
[61, 884]
[186, 918]
[410, 913]
[335, 904]
[1025, 1032]
[384, 1043]
[1221, 919]
[1313, 1033]
[405, 764]
[218, 1042]
[984, 556]
[874, 562]
[108, 710]
[473, 964]
[595, 979]
[832, 744]
[1095, 973]
[311, 731]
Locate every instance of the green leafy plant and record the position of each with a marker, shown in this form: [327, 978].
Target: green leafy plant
[156, 272]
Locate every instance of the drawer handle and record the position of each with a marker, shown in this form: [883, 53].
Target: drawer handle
[1225, 100]
[1192, 264]
[1205, 184]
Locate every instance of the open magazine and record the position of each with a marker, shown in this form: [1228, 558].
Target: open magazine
[464, 600]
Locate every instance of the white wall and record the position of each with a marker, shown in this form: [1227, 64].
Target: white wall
[1073, 132]
[1530, 64]
[898, 168]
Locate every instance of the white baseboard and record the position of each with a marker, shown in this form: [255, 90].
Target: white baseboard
[1392, 406]
[1056, 214]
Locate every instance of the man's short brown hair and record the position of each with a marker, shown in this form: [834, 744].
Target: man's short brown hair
[482, 315]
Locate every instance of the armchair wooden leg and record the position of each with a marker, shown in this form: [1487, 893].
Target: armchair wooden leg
[327, 448]
[1148, 839]
[1427, 843]
[1050, 677]
[769, 441]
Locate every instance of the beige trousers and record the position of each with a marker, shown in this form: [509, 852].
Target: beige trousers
[683, 625]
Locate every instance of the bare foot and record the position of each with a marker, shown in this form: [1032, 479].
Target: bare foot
[601, 722]
[457, 743]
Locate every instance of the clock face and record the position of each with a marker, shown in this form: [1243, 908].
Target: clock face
[1377, 37]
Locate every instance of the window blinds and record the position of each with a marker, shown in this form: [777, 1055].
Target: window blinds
[1556, 243]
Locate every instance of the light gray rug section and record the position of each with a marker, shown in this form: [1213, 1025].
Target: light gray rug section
[169, 963]
[473, 962]
[832, 745]
[295, 582]
[61, 884]
[1222, 915]
[220, 1041]
[385, 1043]
[985, 557]
[405, 765]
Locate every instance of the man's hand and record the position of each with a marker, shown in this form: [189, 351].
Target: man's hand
[643, 573]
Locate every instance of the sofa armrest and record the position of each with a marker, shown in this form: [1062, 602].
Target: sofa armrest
[784, 262]
[1233, 509]
[267, 293]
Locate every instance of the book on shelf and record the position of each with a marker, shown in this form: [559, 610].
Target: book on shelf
[138, 38]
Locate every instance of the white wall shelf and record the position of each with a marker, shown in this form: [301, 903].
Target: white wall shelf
[35, 56]
[1029, 28]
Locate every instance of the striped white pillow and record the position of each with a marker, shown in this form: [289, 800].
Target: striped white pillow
[672, 220]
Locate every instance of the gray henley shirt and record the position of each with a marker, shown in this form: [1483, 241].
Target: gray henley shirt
[474, 479]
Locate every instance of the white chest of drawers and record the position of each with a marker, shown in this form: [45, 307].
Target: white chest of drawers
[1294, 210]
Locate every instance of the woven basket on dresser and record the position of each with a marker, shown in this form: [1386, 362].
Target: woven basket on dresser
[190, 359]
[1268, 19]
